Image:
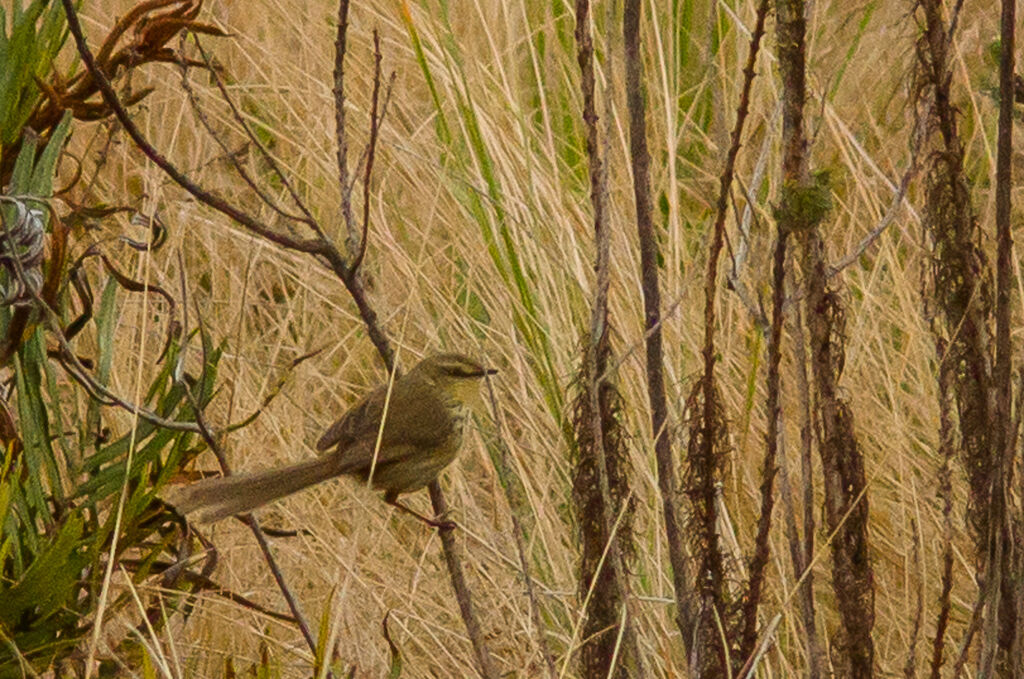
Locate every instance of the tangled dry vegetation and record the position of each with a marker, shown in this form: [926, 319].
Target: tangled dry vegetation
[881, 351]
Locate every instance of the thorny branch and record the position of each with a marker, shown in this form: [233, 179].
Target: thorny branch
[596, 342]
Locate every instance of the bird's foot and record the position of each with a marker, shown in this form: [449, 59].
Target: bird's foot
[440, 524]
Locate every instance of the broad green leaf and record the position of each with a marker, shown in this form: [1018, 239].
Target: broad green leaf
[35, 432]
[21, 176]
[42, 176]
[46, 585]
[18, 92]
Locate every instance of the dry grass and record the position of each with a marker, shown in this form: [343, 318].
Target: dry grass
[431, 275]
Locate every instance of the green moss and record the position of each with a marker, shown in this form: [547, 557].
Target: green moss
[804, 206]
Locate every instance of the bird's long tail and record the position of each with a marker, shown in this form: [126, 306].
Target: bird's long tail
[219, 498]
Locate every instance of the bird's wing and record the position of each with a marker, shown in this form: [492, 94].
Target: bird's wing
[357, 423]
[425, 423]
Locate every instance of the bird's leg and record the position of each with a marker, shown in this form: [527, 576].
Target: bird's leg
[442, 525]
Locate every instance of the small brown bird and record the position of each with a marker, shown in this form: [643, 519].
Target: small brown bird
[423, 423]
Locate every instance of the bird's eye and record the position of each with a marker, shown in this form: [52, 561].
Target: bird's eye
[465, 371]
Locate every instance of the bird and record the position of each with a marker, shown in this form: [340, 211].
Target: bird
[399, 440]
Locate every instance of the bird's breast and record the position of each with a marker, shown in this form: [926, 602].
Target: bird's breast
[460, 414]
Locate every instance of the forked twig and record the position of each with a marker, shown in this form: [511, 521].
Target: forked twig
[371, 146]
[318, 246]
[206, 583]
[340, 122]
[250, 520]
[306, 217]
[311, 246]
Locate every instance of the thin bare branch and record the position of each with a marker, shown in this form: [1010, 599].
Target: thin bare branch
[682, 578]
[767, 636]
[803, 552]
[371, 150]
[518, 509]
[311, 246]
[1002, 606]
[868, 240]
[454, 558]
[306, 217]
[595, 350]
[341, 131]
[318, 246]
[78, 372]
[910, 666]
[213, 441]
[207, 584]
[947, 449]
[752, 600]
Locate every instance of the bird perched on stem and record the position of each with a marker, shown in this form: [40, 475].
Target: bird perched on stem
[399, 440]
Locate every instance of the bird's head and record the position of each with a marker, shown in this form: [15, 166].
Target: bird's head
[456, 375]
